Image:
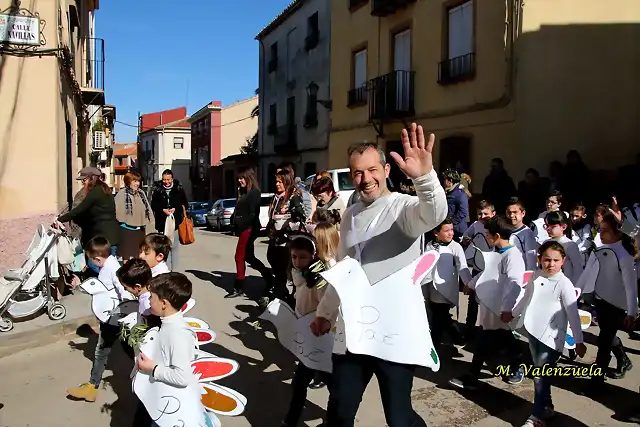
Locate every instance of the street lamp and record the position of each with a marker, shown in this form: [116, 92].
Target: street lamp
[312, 92]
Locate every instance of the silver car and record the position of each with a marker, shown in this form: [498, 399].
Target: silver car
[220, 216]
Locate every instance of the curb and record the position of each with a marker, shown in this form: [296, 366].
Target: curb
[43, 336]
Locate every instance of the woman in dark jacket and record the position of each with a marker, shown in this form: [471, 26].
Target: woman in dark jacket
[286, 207]
[96, 213]
[247, 223]
[169, 198]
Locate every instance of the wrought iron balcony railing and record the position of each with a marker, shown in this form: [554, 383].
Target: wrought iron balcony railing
[91, 76]
[457, 69]
[391, 96]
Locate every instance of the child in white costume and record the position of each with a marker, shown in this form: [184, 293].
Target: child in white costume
[553, 304]
[442, 283]
[557, 225]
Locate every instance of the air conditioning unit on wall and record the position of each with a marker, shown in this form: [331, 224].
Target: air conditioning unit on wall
[99, 140]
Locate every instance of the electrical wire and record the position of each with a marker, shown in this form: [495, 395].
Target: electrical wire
[169, 124]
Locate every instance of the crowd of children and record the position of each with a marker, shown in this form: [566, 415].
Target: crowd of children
[560, 248]
[160, 294]
[568, 257]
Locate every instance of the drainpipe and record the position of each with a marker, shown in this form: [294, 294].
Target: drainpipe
[261, 118]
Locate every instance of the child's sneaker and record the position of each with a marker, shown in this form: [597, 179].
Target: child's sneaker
[516, 378]
[465, 382]
[533, 422]
[86, 392]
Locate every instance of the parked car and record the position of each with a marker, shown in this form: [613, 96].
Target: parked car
[342, 183]
[197, 211]
[265, 201]
[220, 216]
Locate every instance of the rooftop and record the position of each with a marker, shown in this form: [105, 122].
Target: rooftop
[280, 18]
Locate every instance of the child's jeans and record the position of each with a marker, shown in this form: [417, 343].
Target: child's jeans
[440, 322]
[542, 355]
[94, 267]
[108, 336]
[302, 377]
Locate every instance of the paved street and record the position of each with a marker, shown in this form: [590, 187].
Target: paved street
[34, 381]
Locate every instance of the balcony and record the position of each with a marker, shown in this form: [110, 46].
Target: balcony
[311, 41]
[286, 141]
[457, 69]
[391, 96]
[91, 76]
[357, 97]
[383, 8]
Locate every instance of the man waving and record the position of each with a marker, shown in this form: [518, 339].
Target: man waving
[383, 231]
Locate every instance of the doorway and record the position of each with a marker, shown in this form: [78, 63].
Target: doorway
[402, 62]
[455, 153]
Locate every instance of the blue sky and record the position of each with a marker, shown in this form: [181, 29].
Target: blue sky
[155, 48]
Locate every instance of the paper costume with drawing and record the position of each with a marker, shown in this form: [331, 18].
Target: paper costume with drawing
[387, 234]
[477, 243]
[294, 333]
[611, 274]
[585, 322]
[108, 303]
[502, 287]
[443, 280]
[198, 402]
[574, 262]
[387, 319]
[552, 308]
[525, 241]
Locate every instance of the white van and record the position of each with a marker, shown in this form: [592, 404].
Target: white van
[342, 183]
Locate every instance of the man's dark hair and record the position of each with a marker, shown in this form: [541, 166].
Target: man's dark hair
[167, 172]
[451, 175]
[515, 201]
[499, 225]
[174, 287]
[485, 204]
[98, 247]
[157, 242]
[361, 147]
[135, 272]
[446, 221]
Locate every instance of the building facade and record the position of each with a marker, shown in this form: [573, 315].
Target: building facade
[294, 92]
[239, 125]
[523, 81]
[167, 146]
[124, 160]
[52, 69]
[206, 148]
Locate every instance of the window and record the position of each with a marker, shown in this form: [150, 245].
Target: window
[273, 119]
[273, 57]
[310, 168]
[357, 95]
[359, 68]
[291, 111]
[313, 32]
[178, 143]
[459, 62]
[291, 54]
[345, 182]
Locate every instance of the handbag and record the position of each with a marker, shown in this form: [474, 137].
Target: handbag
[169, 228]
[185, 230]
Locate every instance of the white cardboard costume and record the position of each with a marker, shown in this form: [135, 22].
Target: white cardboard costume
[106, 305]
[294, 333]
[190, 406]
[369, 312]
[490, 295]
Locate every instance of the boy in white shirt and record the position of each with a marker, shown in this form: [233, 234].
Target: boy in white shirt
[169, 292]
[442, 284]
[98, 250]
[475, 235]
[496, 333]
[155, 249]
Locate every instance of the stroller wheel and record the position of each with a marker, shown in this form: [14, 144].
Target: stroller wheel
[57, 311]
[6, 324]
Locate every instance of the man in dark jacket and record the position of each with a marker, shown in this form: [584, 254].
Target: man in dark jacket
[169, 198]
[457, 201]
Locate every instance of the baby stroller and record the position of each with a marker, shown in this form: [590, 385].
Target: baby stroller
[27, 290]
